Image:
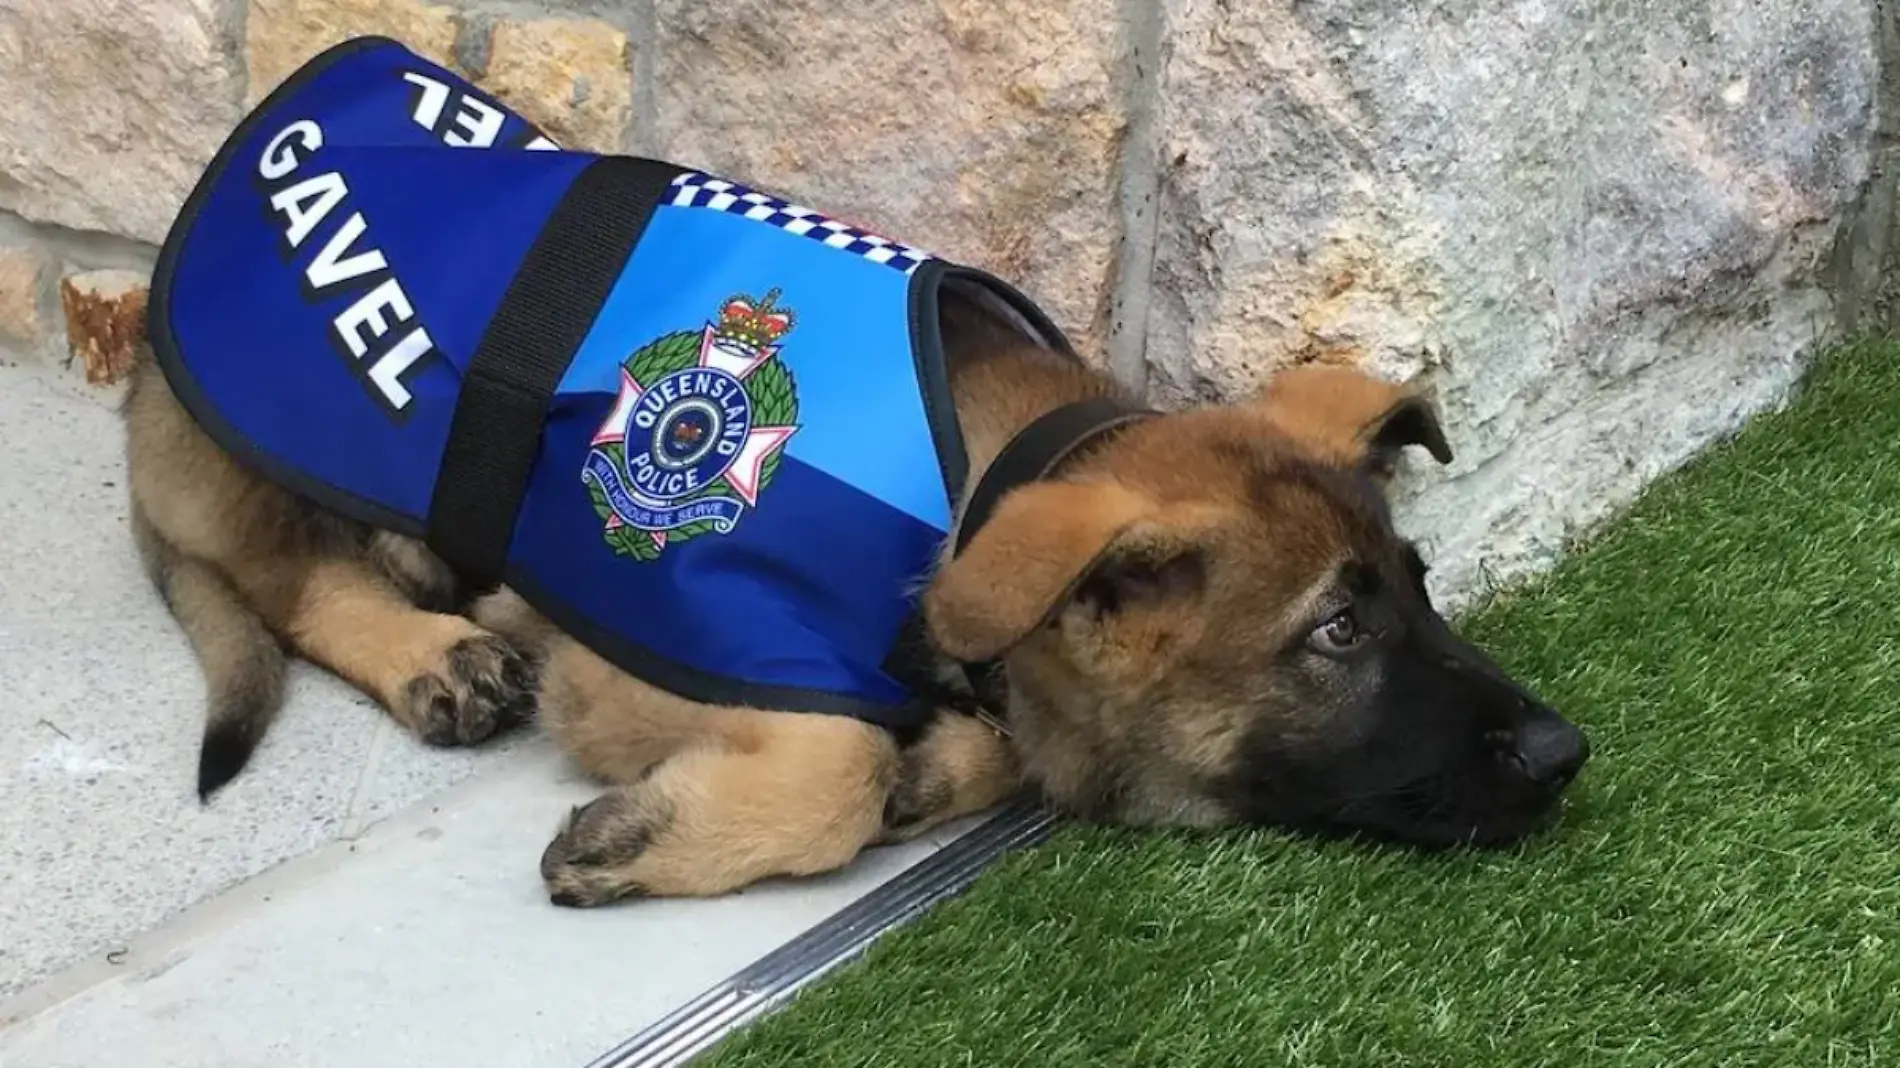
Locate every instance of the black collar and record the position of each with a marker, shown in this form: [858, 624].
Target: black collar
[1039, 449]
[1035, 453]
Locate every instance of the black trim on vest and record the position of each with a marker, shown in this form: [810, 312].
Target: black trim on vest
[1036, 452]
[933, 376]
[550, 306]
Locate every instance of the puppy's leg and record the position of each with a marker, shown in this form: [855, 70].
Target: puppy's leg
[804, 794]
[441, 676]
[712, 798]
[960, 766]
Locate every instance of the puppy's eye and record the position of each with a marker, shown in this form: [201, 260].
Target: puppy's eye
[1340, 633]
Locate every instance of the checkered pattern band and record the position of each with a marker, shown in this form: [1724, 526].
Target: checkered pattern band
[694, 190]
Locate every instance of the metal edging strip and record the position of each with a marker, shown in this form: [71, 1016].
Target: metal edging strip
[774, 978]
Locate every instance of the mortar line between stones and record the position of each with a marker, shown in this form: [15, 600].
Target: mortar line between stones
[1857, 274]
[46, 300]
[643, 30]
[236, 24]
[1137, 195]
[86, 249]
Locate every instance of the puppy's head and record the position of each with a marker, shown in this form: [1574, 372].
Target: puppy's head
[1212, 620]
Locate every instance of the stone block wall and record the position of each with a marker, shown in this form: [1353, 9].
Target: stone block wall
[1605, 231]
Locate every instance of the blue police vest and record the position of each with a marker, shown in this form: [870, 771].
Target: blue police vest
[705, 431]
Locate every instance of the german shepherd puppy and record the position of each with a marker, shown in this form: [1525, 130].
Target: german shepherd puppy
[1205, 619]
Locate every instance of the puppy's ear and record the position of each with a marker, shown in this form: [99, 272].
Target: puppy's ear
[1352, 418]
[1049, 544]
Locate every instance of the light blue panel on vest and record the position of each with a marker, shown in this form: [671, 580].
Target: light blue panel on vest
[861, 411]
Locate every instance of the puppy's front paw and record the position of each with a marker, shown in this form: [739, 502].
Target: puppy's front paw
[483, 686]
[596, 856]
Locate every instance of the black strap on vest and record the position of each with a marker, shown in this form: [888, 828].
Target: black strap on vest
[545, 315]
[1035, 453]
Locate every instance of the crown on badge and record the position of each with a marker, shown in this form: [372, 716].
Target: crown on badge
[753, 324]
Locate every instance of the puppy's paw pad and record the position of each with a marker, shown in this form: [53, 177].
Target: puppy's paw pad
[486, 686]
[595, 857]
[587, 887]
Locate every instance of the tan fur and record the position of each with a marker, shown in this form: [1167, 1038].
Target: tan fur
[962, 765]
[243, 664]
[1335, 412]
[794, 796]
[1040, 542]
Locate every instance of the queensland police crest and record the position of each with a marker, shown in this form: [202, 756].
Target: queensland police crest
[696, 431]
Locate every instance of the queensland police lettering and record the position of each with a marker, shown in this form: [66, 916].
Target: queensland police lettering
[742, 468]
[695, 431]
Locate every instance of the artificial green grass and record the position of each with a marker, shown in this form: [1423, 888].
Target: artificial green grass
[1724, 888]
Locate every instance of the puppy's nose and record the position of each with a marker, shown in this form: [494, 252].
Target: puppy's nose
[1550, 751]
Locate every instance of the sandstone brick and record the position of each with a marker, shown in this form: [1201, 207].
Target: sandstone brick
[105, 321]
[21, 273]
[1597, 239]
[111, 109]
[568, 76]
[282, 35]
[987, 131]
[1279, 241]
